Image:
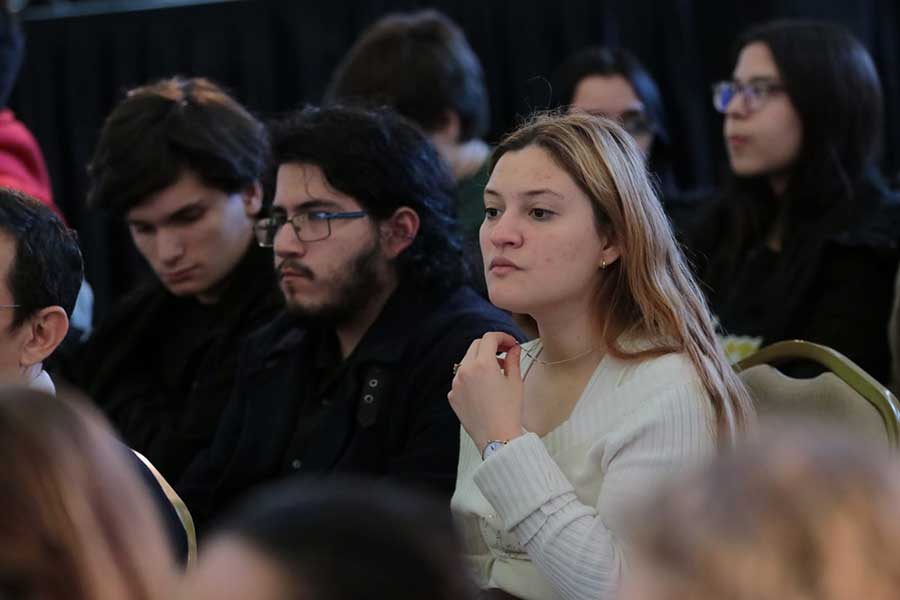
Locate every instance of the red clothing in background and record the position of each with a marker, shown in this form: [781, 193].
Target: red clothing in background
[22, 165]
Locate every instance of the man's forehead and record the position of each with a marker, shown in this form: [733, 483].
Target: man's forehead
[300, 184]
[159, 208]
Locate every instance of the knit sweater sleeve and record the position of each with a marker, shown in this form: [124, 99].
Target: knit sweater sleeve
[578, 547]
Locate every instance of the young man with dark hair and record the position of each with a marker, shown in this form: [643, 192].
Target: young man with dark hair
[355, 375]
[181, 162]
[421, 64]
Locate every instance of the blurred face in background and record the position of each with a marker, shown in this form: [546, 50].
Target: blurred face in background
[763, 131]
[614, 97]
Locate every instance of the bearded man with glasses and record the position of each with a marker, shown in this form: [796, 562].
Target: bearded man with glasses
[354, 376]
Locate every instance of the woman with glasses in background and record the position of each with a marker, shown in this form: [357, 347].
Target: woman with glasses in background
[611, 82]
[804, 242]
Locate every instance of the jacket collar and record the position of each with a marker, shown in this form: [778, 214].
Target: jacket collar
[386, 339]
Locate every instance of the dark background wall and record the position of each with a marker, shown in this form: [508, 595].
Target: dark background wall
[275, 55]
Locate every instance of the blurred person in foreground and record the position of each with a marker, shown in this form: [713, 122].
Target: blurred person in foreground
[341, 540]
[805, 513]
[75, 521]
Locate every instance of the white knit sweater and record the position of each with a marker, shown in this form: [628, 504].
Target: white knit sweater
[542, 517]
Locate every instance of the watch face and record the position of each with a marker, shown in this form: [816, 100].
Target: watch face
[492, 447]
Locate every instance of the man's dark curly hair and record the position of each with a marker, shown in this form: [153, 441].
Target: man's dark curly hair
[384, 162]
[47, 269]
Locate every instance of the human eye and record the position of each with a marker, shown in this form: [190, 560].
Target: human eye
[318, 215]
[141, 228]
[540, 214]
[491, 212]
[190, 215]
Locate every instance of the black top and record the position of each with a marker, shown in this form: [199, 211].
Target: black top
[383, 411]
[832, 283]
[162, 367]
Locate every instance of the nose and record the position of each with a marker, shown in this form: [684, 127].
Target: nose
[737, 105]
[503, 230]
[169, 246]
[286, 244]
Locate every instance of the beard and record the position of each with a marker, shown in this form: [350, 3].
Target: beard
[348, 293]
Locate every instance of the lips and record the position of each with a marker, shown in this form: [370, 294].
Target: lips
[736, 141]
[179, 276]
[501, 265]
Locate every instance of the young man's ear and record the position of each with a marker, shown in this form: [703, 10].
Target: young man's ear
[46, 330]
[398, 232]
[252, 197]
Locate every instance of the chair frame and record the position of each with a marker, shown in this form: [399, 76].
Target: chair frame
[849, 372]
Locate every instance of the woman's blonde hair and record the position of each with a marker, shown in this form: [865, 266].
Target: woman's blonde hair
[650, 290]
[75, 521]
[804, 512]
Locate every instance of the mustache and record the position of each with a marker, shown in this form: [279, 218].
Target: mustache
[294, 267]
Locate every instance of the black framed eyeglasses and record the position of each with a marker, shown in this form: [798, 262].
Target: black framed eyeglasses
[755, 93]
[310, 226]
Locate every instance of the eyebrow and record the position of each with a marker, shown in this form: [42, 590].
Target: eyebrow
[760, 78]
[527, 193]
[306, 205]
[174, 216]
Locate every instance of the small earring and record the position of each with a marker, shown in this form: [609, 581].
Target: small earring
[602, 263]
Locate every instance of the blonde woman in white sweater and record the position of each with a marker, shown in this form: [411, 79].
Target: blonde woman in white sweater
[625, 385]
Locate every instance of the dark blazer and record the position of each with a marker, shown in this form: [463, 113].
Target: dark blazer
[390, 416]
[171, 419]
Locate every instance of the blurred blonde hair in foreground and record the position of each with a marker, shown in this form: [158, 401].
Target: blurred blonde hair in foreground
[75, 522]
[802, 514]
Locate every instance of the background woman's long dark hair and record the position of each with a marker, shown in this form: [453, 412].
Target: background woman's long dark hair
[834, 88]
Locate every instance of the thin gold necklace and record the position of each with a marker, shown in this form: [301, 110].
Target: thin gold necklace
[534, 357]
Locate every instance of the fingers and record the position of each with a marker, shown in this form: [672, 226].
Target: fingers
[495, 342]
[512, 365]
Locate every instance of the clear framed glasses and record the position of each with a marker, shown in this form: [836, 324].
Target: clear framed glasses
[310, 226]
[755, 93]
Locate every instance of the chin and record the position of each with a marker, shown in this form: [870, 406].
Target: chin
[511, 302]
[746, 168]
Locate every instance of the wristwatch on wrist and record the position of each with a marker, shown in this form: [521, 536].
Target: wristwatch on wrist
[492, 446]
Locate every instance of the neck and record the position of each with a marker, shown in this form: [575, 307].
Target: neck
[568, 331]
[464, 159]
[779, 184]
[350, 332]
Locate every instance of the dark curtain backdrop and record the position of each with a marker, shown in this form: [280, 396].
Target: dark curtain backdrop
[275, 55]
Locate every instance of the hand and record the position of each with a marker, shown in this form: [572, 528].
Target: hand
[488, 401]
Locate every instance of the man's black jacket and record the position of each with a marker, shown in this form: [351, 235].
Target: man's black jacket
[386, 415]
[163, 381]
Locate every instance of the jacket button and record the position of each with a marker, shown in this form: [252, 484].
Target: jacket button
[368, 398]
[296, 464]
[373, 383]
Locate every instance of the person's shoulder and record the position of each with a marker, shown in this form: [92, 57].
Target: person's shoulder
[277, 334]
[876, 222]
[465, 308]
[654, 375]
